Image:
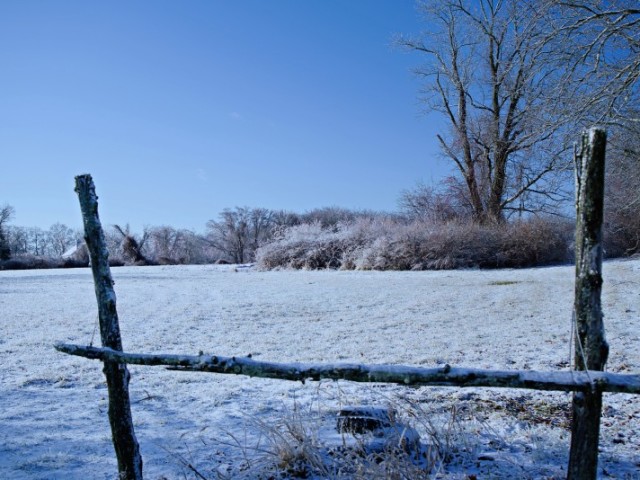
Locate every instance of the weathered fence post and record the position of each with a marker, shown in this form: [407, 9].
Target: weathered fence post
[117, 374]
[591, 349]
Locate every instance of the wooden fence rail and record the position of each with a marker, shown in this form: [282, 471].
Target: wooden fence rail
[583, 381]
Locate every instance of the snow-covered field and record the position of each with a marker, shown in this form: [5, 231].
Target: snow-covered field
[53, 421]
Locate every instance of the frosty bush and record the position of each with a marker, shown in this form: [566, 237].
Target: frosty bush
[31, 262]
[537, 242]
[305, 246]
[393, 244]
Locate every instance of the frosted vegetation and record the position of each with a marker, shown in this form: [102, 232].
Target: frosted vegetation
[425, 235]
[381, 244]
[54, 419]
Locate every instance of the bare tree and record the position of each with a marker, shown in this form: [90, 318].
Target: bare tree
[284, 218]
[6, 214]
[61, 238]
[488, 73]
[597, 47]
[239, 232]
[37, 241]
[194, 249]
[18, 240]
[177, 246]
[329, 216]
[165, 244]
[426, 203]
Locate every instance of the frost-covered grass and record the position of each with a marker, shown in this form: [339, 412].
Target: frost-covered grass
[53, 421]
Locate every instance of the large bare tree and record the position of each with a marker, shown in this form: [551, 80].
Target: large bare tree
[486, 70]
[597, 44]
[516, 79]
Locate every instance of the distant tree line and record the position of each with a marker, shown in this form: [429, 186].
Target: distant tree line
[234, 237]
[431, 230]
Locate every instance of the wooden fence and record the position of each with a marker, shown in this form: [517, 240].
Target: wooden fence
[588, 380]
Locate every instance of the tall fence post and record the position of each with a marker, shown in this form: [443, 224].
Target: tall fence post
[591, 349]
[117, 374]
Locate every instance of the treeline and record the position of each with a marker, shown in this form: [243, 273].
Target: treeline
[429, 233]
[232, 238]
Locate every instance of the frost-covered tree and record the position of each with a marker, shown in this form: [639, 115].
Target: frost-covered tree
[18, 240]
[177, 246]
[239, 232]
[165, 244]
[436, 205]
[60, 239]
[486, 70]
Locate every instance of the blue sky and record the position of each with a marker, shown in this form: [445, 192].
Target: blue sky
[180, 109]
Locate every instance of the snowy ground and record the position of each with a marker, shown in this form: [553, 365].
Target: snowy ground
[53, 422]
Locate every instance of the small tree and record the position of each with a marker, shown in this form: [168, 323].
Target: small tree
[165, 244]
[177, 246]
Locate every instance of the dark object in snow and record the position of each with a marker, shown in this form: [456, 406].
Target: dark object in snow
[377, 429]
[363, 419]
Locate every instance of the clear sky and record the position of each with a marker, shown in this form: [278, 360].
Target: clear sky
[180, 109]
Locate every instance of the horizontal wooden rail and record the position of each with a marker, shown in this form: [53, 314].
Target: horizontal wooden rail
[405, 375]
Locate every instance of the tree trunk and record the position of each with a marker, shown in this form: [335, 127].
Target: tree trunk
[117, 374]
[591, 349]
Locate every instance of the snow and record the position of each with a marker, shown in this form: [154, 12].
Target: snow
[53, 406]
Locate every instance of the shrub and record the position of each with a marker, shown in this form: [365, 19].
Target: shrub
[33, 262]
[622, 233]
[391, 244]
[536, 242]
[305, 246]
[28, 262]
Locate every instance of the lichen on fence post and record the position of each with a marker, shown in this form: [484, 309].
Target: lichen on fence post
[117, 374]
[591, 349]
